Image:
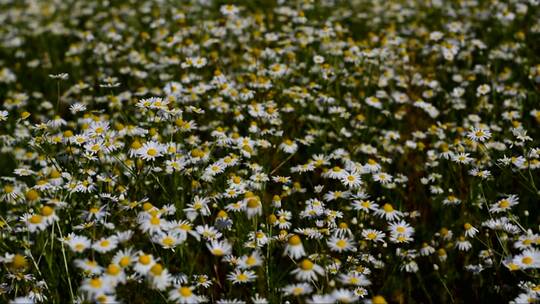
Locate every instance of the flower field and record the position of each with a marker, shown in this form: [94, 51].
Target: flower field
[269, 151]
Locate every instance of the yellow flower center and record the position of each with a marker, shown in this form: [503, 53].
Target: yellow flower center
[154, 220]
[504, 203]
[79, 247]
[388, 208]
[185, 292]
[156, 269]
[151, 152]
[251, 261]
[125, 261]
[295, 240]
[46, 211]
[168, 241]
[306, 265]
[342, 243]
[113, 269]
[32, 195]
[19, 261]
[8, 188]
[527, 260]
[96, 283]
[253, 203]
[371, 235]
[36, 219]
[144, 259]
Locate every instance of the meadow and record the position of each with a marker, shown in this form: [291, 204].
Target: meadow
[269, 151]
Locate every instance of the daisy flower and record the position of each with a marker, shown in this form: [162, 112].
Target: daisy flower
[124, 258]
[463, 244]
[504, 204]
[354, 278]
[150, 151]
[294, 247]
[288, 146]
[340, 244]
[249, 261]
[253, 207]
[96, 286]
[159, 277]
[297, 289]
[388, 212]
[400, 228]
[307, 271]
[114, 274]
[219, 248]
[479, 134]
[34, 222]
[373, 235]
[343, 295]
[183, 294]
[351, 179]
[382, 177]
[470, 230]
[144, 263]
[105, 244]
[77, 243]
[529, 258]
[241, 276]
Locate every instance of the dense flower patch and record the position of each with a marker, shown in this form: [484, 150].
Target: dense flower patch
[269, 151]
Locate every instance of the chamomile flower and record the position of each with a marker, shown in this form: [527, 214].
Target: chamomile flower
[388, 212]
[77, 243]
[294, 247]
[341, 244]
[529, 258]
[241, 276]
[479, 134]
[297, 289]
[373, 235]
[219, 248]
[183, 294]
[307, 271]
[150, 151]
[96, 286]
[105, 244]
[144, 263]
[159, 277]
[470, 230]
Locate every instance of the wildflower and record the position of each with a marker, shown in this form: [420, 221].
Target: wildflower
[219, 248]
[297, 289]
[373, 235]
[307, 271]
[105, 244]
[504, 204]
[341, 244]
[463, 244]
[77, 243]
[294, 247]
[529, 258]
[96, 286]
[241, 276]
[479, 134]
[150, 151]
[388, 212]
[159, 277]
[288, 146]
[184, 295]
[470, 230]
